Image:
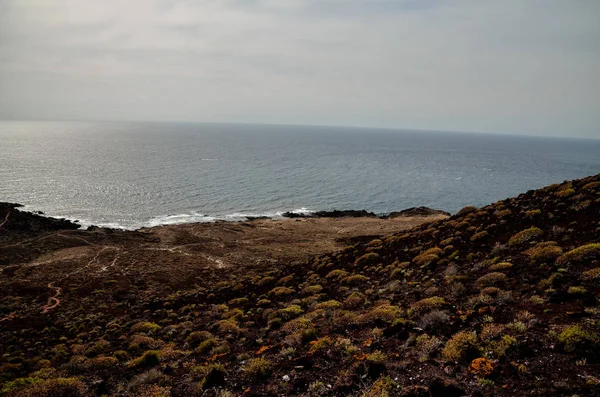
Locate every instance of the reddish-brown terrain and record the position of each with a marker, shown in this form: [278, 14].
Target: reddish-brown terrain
[499, 300]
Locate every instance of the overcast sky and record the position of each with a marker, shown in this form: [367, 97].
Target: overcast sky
[506, 66]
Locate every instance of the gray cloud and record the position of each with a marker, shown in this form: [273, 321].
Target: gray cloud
[510, 67]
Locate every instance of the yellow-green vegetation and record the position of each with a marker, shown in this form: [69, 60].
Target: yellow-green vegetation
[425, 305]
[320, 344]
[592, 274]
[329, 305]
[426, 345]
[467, 210]
[35, 387]
[337, 274]
[369, 259]
[452, 301]
[197, 337]
[479, 236]
[258, 368]
[150, 358]
[281, 291]
[383, 387]
[579, 254]
[592, 186]
[227, 327]
[575, 339]
[291, 312]
[312, 289]
[458, 345]
[491, 279]
[526, 236]
[355, 279]
[145, 326]
[385, 312]
[354, 300]
[206, 346]
[565, 193]
[429, 256]
[545, 252]
[577, 290]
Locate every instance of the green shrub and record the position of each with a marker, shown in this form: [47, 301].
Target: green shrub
[425, 305]
[546, 252]
[367, 260]
[429, 256]
[121, 355]
[491, 279]
[458, 345]
[227, 327]
[337, 274]
[576, 290]
[320, 344]
[197, 337]
[355, 279]
[565, 192]
[329, 305]
[466, 210]
[18, 384]
[145, 327]
[385, 312]
[479, 236]
[280, 291]
[258, 368]
[290, 312]
[580, 254]
[312, 289]
[592, 274]
[575, 339]
[526, 236]
[151, 358]
[206, 346]
[238, 302]
[58, 387]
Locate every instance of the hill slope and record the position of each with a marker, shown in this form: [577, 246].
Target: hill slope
[500, 300]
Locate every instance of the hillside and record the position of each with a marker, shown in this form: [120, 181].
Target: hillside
[500, 300]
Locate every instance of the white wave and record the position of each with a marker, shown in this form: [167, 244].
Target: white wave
[302, 211]
[241, 216]
[179, 219]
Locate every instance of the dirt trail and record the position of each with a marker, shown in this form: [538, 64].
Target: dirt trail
[5, 219]
[53, 301]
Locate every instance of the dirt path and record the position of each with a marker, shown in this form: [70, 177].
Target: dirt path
[53, 301]
[5, 219]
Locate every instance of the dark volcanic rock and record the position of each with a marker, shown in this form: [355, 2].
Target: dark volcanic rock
[16, 224]
[418, 211]
[332, 214]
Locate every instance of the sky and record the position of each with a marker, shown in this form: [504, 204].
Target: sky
[512, 66]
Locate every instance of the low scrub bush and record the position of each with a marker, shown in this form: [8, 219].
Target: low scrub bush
[491, 279]
[585, 252]
[457, 347]
[258, 368]
[526, 236]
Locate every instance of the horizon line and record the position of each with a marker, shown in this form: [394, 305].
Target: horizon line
[391, 129]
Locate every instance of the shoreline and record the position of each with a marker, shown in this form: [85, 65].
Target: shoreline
[235, 217]
[207, 244]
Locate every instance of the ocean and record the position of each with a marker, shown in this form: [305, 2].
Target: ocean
[132, 175]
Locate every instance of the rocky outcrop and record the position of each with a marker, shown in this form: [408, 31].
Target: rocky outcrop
[418, 211]
[332, 214]
[16, 224]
